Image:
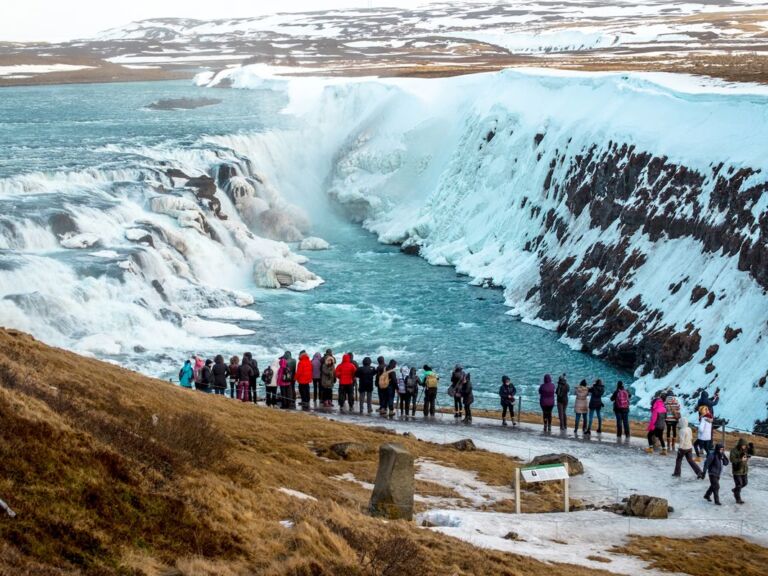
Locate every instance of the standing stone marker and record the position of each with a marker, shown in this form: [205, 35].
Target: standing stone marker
[393, 492]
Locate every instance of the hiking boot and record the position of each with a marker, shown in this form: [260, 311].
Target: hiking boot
[649, 450]
[697, 459]
[707, 498]
[663, 452]
[599, 430]
[718, 502]
[587, 432]
[503, 422]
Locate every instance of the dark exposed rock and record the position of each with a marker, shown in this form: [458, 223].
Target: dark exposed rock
[698, 293]
[730, 334]
[183, 103]
[709, 354]
[393, 492]
[464, 445]
[62, 224]
[349, 450]
[573, 464]
[647, 507]
[709, 368]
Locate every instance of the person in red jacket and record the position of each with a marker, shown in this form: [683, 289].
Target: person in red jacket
[304, 378]
[345, 373]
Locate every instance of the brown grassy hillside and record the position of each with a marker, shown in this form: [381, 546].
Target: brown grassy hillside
[111, 472]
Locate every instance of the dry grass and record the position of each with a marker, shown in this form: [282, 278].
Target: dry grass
[699, 556]
[111, 472]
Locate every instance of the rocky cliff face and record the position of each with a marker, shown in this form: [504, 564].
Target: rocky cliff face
[628, 215]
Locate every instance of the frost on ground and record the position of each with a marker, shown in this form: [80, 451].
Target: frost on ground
[623, 210]
[613, 470]
[297, 494]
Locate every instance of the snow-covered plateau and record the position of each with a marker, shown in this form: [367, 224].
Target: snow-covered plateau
[629, 212]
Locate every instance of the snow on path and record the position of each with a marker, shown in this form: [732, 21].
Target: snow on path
[613, 470]
[296, 494]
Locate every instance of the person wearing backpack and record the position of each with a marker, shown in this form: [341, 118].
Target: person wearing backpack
[673, 416]
[304, 378]
[234, 374]
[366, 375]
[684, 450]
[412, 384]
[596, 406]
[716, 461]
[355, 384]
[507, 394]
[467, 398]
[656, 426]
[267, 377]
[186, 375]
[345, 373]
[561, 395]
[430, 380]
[327, 380]
[740, 456]
[620, 399]
[457, 384]
[282, 367]
[253, 389]
[547, 401]
[581, 405]
[404, 370]
[220, 373]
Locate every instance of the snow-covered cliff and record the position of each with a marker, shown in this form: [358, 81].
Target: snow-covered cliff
[627, 212]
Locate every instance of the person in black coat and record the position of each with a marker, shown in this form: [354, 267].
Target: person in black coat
[206, 378]
[253, 390]
[716, 461]
[366, 375]
[220, 372]
[468, 398]
[596, 406]
[561, 397]
[507, 394]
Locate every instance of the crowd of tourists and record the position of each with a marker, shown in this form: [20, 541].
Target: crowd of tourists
[404, 390]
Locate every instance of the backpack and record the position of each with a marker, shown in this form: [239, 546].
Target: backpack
[622, 399]
[431, 379]
[197, 375]
[288, 375]
[384, 379]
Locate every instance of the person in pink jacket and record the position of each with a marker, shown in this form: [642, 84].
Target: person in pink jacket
[656, 425]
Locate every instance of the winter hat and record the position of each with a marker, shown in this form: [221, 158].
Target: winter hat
[208, 362]
[741, 442]
[505, 379]
[427, 368]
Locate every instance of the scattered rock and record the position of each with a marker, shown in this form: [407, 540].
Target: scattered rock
[573, 464]
[392, 496]
[730, 334]
[513, 536]
[350, 450]
[711, 351]
[647, 506]
[464, 445]
[314, 243]
[698, 293]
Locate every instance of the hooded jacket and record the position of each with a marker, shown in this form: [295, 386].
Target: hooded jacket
[304, 370]
[582, 404]
[547, 393]
[672, 404]
[366, 375]
[317, 364]
[562, 390]
[596, 396]
[740, 458]
[220, 373]
[186, 375]
[328, 373]
[705, 429]
[658, 413]
[345, 371]
[715, 462]
[705, 400]
[684, 436]
[507, 394]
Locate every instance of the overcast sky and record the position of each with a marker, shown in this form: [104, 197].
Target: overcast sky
[55, 20]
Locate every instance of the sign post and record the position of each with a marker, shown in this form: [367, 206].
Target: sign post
[544, 473]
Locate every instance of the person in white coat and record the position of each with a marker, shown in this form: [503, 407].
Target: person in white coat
[685, 450]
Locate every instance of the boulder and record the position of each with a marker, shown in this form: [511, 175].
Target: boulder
[647, 506]
[314, 243]
[392, 496]
[464, 445]
[574, 466]
[350, 450]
